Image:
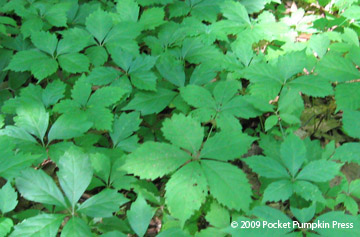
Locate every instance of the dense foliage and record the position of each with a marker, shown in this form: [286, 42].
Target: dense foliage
[177, 118]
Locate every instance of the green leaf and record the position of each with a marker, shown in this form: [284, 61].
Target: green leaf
[308, 191]
[124, 126]
[53, 92]
[349, 203]
[278, 191]
[175, 231]
[7, 21]
[44, 68]
[97, 55]
[150, 102]
[319, 44]
[270, 122]
[218, 216]
[101, 117]
[186, 191]
[75, 174]
[228, 184]
[197, 96]
[18, 133]
[5, 226]
[33, 118]
[227, 122]
[101, 165]
[31, 25]
[224, 91]
[293, 153]
[142, 63]
[114, 223]
[227, 145]
[263, 73]
[290, 118]
[335, 218]
[148, 190]
[140, 215]
[351, 37]
[74, 62]
[244, 107]
[99, 23]
[1, 120]
[291, 63]
[152, 18]
[123, 58]
[184, 132]
[206, 10]
[35, 61]
[267, 167]
[196, 52]
[348, 152]
[128, 10]
[56, 14]
[123, 36]
[69, 126]
[346, 96]
[235, 11]
[37, 186]
[178, 9]
[290, 104]
[45, 41]
[144, 80]
[129, 144]
[353, 12]
[202, 74]
[171, 69]
[114, 233]
[152, 160]
[75, 227]
[210, 231]
[8, 198]
[102, 75]
[305, 214]
[81, 91]
[253, 6]
[106, 96]
[266, 80]
[354, 188]
[328, 151]
[351, 123]
[271, 215]
[103, 204]
[40, 225]
[312, 86]
[335, 68]
[73, 40]
[265, 215]
[319, 171]
[242, 48]
[11, 164]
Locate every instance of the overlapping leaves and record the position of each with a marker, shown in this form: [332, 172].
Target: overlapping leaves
[293, 172]
[192, 172]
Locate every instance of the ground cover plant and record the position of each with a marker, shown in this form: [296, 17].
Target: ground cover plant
[179, 118]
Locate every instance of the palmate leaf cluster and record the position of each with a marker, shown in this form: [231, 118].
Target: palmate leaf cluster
[176, 118]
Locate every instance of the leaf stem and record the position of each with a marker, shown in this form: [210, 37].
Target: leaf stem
[262, 123]
[212, 126]
[281, 129]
